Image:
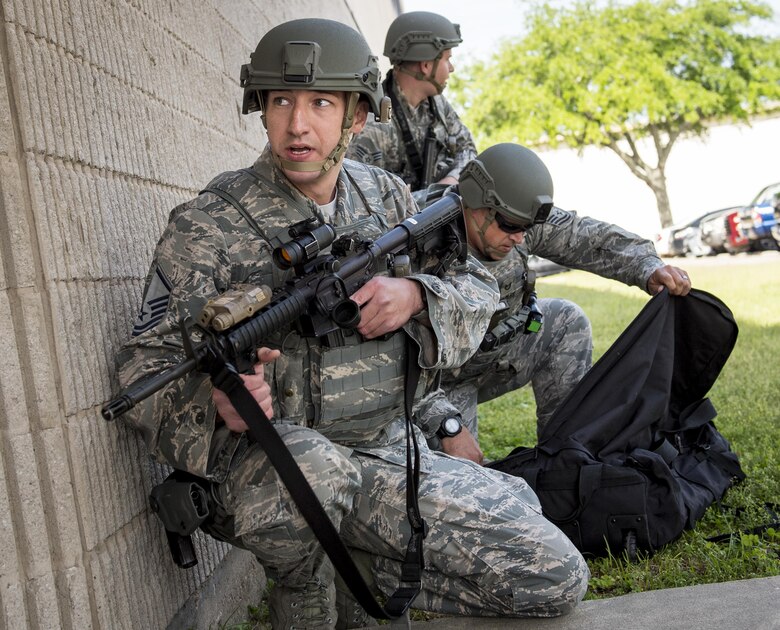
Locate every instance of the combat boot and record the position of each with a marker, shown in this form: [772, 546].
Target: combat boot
[312, 606]
[351, 613]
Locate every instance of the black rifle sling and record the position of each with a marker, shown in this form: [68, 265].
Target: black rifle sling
[414, 563]
[225, 378]
[227, 197]
[431, 142]
[261, 182]
[412, 154]
[264, 181]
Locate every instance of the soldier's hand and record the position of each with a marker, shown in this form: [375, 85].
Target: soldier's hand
[387, 304]
[256, 385]
[673, 278]
[463, 445]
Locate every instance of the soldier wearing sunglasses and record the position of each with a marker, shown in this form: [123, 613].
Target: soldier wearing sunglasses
[508, 197]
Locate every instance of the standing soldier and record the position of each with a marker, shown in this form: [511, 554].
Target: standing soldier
[337, 402]
[427, 143]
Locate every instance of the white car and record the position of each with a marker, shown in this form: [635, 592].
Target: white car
[668, 242]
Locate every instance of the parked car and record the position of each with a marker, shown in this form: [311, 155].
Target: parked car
[672, 241]
[667, 244]
[685, 239]
[693, 243]
[759, 219]
[736, 240]
[712, 232]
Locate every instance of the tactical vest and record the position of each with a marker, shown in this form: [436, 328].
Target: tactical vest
[344, 386]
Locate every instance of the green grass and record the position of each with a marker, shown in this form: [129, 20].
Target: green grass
[746, 396]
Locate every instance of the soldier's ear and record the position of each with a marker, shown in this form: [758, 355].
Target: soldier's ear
[361, 116]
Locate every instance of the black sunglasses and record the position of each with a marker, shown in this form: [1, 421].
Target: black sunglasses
[509, 228]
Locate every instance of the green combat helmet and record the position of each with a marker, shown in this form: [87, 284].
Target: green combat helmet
[315, 54]
[510, 180]
[420, 36]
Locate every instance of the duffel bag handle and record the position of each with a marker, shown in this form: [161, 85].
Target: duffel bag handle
[589, 481]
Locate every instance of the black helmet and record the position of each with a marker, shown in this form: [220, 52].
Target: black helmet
[313, 54]
[420, 36]
[511, 180]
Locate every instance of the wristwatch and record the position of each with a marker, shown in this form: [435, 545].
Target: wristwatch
[450, 427]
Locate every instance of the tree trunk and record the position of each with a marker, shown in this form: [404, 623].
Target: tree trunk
[653, 176]
[657, 183]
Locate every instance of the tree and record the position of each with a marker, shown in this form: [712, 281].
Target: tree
[633, 78]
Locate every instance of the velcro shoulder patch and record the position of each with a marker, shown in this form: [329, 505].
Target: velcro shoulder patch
[155, 304]
[559, 217]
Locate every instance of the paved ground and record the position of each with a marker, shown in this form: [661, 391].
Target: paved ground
[742, 605]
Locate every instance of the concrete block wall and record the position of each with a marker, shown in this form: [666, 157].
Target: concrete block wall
[111, 113]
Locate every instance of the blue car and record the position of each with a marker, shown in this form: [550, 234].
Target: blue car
[759, 219]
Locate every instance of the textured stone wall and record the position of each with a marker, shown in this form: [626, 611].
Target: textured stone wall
[111, 113]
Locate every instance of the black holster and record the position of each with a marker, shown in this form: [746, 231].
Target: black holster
[183, 503]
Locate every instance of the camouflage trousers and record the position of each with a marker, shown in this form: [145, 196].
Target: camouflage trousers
[489, 550]
[552, 360]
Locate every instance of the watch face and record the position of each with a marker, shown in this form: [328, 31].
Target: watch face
[451, 426]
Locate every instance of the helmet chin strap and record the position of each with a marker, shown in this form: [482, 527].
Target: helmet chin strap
[422, 77]
[334, 157]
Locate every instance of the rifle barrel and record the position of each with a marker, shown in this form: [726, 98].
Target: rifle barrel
[144, 388]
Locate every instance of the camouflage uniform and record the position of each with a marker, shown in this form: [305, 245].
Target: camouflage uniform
[556, 358]
[383, 145]
[489, 551]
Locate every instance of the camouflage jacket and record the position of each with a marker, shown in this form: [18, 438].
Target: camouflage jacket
[211, 246]
[382, 144]
[577, 242]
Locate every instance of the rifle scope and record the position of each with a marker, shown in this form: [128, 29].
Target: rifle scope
[304, 247]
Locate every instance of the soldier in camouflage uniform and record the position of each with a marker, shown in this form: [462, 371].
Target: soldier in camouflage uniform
[489, 550]
[427, 142]
[507, 194]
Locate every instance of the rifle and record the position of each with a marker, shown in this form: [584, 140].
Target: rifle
[430, 153]
[233, 327]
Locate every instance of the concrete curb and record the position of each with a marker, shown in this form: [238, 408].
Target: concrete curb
[740, 605]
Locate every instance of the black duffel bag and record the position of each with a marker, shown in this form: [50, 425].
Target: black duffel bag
[631, 458]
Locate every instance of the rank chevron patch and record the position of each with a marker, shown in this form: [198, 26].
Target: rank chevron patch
[155, 303]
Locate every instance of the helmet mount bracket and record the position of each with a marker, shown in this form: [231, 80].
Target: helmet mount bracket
[299, 62]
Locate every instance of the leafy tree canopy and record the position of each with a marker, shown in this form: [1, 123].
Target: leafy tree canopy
[587, 75]
[615, 74]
